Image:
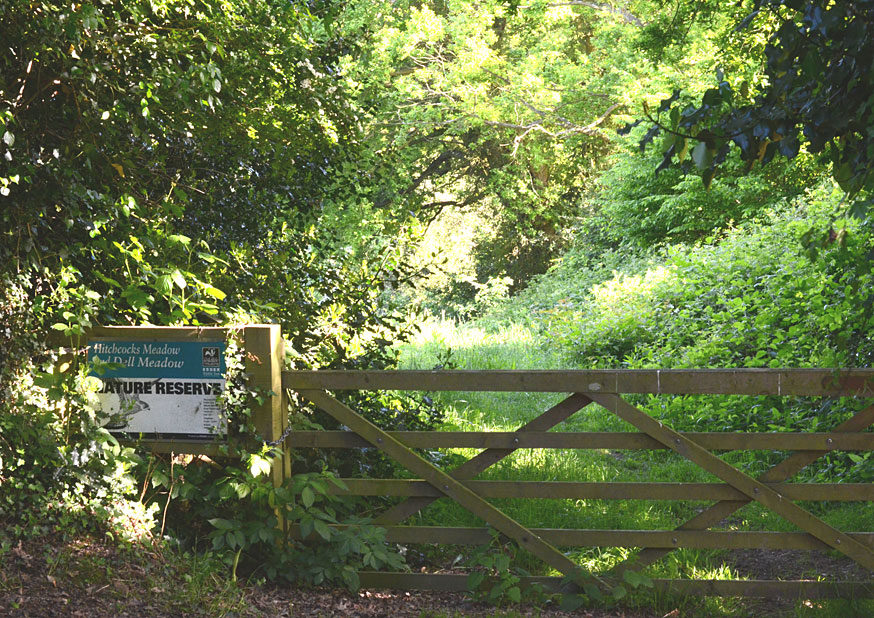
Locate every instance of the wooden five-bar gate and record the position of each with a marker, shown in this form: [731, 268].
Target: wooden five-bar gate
[607, 388]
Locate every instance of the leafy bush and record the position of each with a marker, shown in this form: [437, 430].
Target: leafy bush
[753, 297]
[750, 299]
[229, 504]
[59, 470]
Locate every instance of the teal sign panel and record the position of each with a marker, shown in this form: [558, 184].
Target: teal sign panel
[161, 388]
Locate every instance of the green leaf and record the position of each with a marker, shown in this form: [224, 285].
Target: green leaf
[633, 578]
[214, 292]
[475, 579]
[307, 497]
[322, 529]
[222, 524]
[350, 578]
[593, 592]
[306, 526]
[571, 602]
[702, 156]
[259, 465]
[502, 563]
[164, 284]
[178, 279]
[619, 592]
[136, 297]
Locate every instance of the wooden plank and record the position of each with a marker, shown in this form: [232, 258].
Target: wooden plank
[144, 333]
[781, 441]
[753, 488]
[450, 486]
[784, 470]
[193, 447]
[468, 470]
[798, 590]
[567, 490]
[693, 539]
[801, 382]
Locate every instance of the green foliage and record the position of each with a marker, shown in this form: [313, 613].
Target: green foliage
[495, 579]
[639, 207]
[59, 470]
[493, 108]
[752, 299]
[180, 163]
[239, 511]
[170, 163]
[817, 52]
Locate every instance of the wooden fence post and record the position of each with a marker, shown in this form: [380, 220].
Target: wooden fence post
[264, 356]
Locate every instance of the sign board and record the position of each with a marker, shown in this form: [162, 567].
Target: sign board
[165, 389]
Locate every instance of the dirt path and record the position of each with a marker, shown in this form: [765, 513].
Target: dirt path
[92, 579]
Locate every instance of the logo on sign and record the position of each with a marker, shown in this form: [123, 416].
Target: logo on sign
[211, 357]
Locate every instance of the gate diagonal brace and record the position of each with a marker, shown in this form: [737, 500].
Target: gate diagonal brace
[744, 483]
[779, 473]
[451, 487]
[487, 458]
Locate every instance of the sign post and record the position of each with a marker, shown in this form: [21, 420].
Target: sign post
[265, 353]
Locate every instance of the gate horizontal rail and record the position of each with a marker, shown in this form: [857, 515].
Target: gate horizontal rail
[605, 387]
[780, 382]
[594, 440]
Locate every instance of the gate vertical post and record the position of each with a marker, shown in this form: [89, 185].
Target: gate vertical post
[264, 356]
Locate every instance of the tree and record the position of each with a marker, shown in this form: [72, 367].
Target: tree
[497, 106]
[167, 161]
[815, 96]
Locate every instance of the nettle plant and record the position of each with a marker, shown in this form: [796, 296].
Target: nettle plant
[229, 505]
[495, 578]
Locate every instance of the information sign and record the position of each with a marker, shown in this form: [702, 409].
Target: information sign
[162, 388]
